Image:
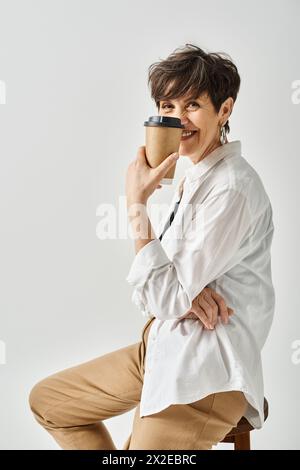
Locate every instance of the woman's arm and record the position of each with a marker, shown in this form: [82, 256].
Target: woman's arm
[209, 248]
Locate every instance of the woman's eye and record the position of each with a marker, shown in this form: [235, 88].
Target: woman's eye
[194, 103]
[164, 106]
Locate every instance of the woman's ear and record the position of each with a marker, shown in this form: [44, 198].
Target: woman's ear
[226, 109]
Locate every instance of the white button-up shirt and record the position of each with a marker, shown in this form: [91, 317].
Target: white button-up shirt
[221, 238]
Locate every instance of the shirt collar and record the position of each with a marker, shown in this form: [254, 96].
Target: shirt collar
[224, 151]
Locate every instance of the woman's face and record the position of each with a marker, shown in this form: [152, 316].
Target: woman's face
[199, 116]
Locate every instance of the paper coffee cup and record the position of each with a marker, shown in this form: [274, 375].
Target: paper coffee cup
[163, 136]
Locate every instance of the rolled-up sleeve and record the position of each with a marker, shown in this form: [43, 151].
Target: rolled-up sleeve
[209, 246]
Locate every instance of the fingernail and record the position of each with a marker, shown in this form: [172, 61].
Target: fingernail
[175, 155]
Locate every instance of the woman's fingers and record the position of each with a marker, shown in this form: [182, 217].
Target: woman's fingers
[201, 314]
[191, 315]
[210, 307]
[207, 306]
[223, 310]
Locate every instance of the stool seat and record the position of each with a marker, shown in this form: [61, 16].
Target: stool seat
[240, 435]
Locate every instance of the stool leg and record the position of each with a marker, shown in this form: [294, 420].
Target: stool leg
[242, 441]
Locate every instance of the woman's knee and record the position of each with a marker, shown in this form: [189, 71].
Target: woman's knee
[41, 398]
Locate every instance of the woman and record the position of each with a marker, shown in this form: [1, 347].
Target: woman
[201, 373]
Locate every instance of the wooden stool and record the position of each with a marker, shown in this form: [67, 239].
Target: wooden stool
[240, 435]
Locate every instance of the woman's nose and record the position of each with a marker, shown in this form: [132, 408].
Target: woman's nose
[184, 121]
[181, 115]
[183, 118]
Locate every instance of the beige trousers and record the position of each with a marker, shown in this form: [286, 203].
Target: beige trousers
[72, 405]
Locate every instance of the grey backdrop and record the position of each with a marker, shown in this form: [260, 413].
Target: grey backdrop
[76, 97]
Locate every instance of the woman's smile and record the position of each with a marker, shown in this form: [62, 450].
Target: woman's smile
[188, 135]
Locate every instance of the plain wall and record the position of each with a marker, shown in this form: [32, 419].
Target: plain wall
[75, 78]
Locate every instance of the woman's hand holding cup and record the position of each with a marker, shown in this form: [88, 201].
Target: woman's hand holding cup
[142, 180]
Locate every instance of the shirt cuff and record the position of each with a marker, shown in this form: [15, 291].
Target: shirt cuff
[150, 257]
[139, 300]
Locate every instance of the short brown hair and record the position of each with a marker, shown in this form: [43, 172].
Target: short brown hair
[191, 70]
